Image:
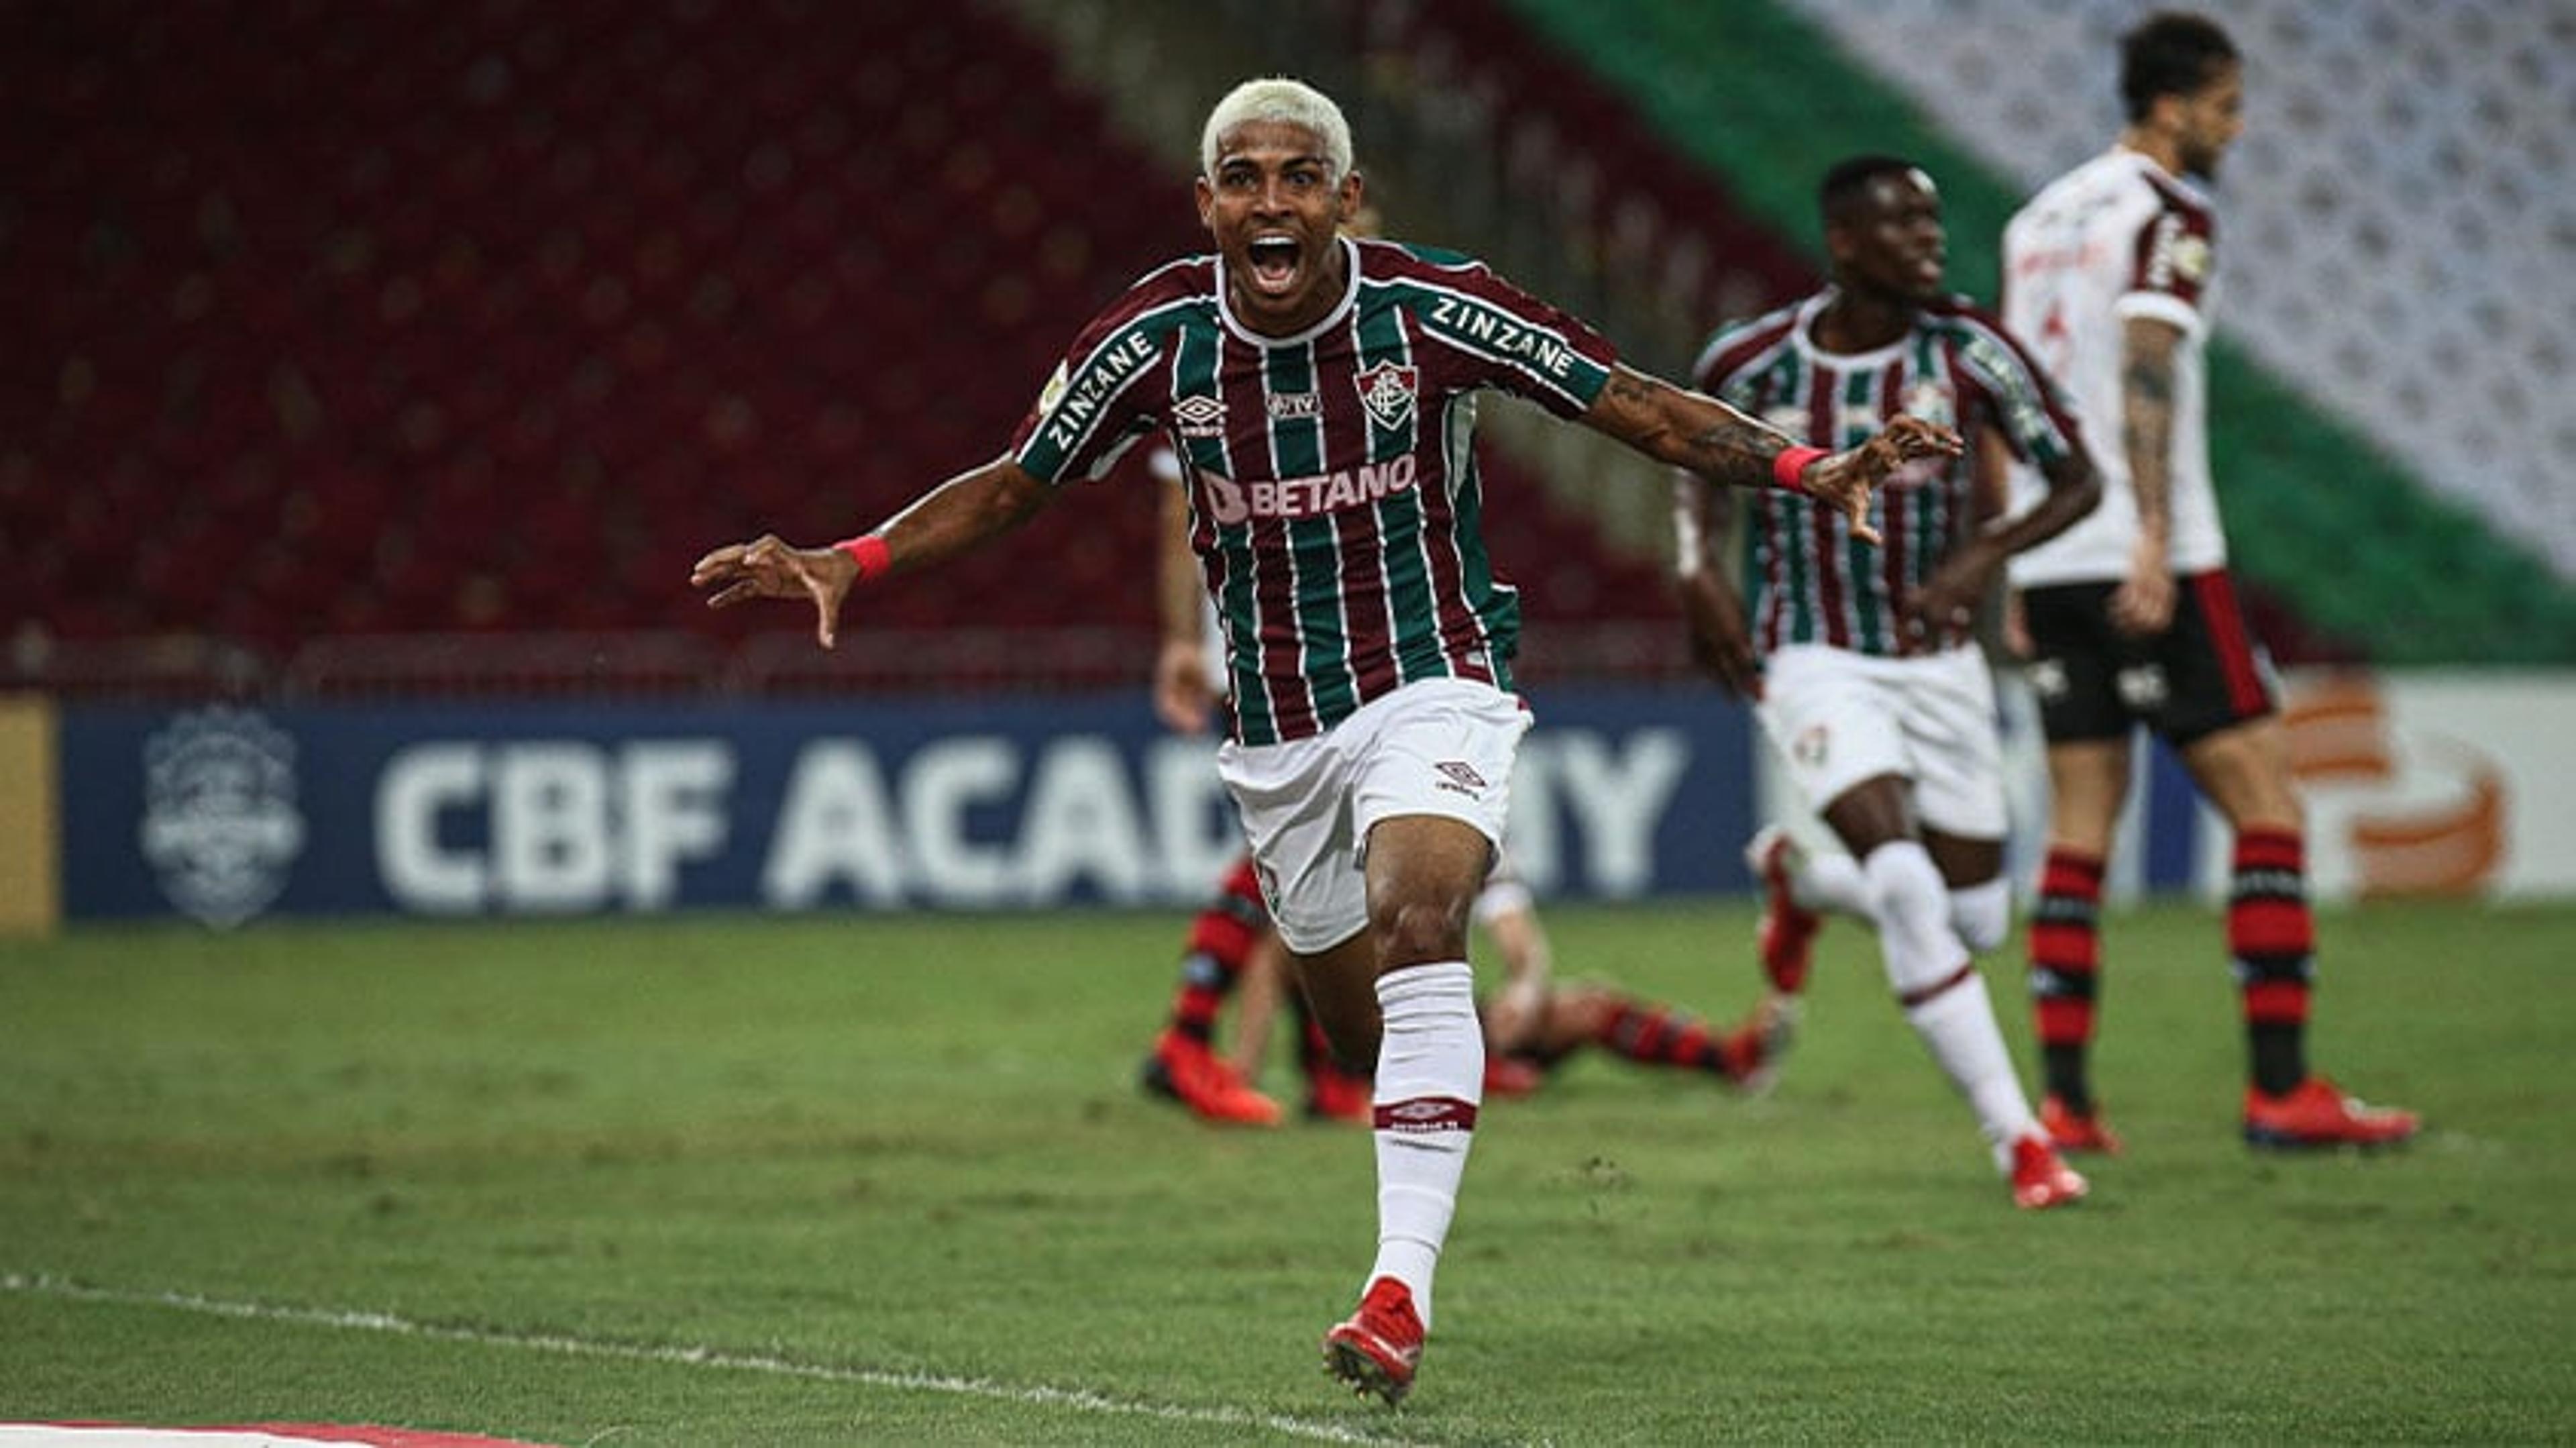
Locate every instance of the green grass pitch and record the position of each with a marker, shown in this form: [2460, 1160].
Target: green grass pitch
[888, 1180]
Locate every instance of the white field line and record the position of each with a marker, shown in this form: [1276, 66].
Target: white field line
[1081, 1400]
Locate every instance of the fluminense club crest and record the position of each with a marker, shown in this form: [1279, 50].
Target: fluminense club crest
[1387, 390]
[220, 824]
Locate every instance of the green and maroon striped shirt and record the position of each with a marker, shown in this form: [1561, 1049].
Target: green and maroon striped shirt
[1334, 501]
[1807, 580]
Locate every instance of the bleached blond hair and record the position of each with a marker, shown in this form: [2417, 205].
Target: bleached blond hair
[1284, 101]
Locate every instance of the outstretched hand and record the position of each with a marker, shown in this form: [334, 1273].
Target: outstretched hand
[1844, 479]
[769, 568]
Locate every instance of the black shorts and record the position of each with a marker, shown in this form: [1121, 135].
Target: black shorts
[2094, 682]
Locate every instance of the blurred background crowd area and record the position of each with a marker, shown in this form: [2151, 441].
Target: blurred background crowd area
[363, 348]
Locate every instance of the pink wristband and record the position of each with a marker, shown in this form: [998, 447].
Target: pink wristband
[1793, 461]
[868, 550]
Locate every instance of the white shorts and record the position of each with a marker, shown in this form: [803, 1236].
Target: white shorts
[1441, 747]
[1840, 718]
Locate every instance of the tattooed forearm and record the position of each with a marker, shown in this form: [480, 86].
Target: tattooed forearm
[1735, 448]
[2146, 420]
[1686, 429]
[1629, 389]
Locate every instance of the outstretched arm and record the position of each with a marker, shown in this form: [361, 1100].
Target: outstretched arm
[967, 510]
[1693, 430]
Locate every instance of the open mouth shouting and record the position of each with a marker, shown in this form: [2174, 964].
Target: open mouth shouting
[1273, 260]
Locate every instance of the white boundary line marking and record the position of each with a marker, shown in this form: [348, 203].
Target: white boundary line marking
[1086, 1400]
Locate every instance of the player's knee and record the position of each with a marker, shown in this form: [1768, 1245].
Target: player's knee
[1911, 906]
[1415, 930]
[1982, 914]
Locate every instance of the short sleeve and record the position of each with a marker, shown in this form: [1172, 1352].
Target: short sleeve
[2028, 408]
[2173, 260]
[1508, 339]
[1107, 391]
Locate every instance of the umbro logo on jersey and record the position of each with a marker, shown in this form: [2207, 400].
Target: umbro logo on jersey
[1199, 416]
[1387, 390]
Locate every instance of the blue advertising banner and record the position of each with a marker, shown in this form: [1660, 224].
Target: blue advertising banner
[227, 814]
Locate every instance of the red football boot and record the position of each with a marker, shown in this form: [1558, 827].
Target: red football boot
[1753, 1051]
[1786, 938]
[2040, 1179]
[1333, 1094]
[1188, 1072]
[2314, 1113]
[1378, 1348]
[2071, 1130]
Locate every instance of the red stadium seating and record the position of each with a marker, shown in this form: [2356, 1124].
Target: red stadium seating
[414, 316]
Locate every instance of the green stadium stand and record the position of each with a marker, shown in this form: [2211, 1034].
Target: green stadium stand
[2316, 515]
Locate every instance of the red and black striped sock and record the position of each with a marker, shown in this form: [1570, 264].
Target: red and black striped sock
[2065, 969]
[1654, 1035]
[1220, 942]
[2271, 939]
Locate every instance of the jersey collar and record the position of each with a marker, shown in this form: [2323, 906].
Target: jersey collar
[1331, 319]
[1804, 333]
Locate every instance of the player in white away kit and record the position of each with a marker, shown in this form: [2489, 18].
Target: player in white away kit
[2110, 274]
[1860, 660]
[1322, 391]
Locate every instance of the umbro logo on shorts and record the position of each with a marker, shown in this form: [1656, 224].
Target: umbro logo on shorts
[1461, 779]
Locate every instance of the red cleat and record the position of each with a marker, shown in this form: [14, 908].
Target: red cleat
[1188, 1072]
[1753, 1051]
[2040, 1179]
[1786, 938]
[1510, 1076]
[1333, 1094]
[1378, 1348]
[2071, 1130]
[2314, 1113]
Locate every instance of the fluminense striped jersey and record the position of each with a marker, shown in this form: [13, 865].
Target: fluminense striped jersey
[1807, 579]
[1332, 476]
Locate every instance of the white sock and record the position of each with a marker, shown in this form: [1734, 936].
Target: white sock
[1430, 1080]
[1943, 996]
[1959, 1027]
[1832, 882]
[1982, 914]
